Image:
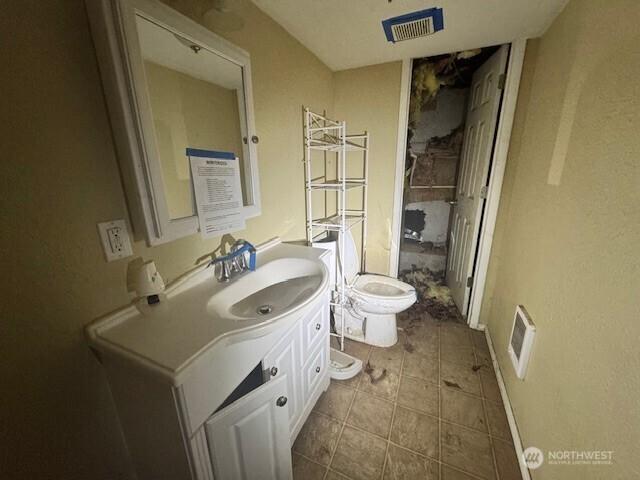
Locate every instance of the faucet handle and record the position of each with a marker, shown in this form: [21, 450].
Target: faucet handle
[238, 244]
[241, 261]
[244, 247]
[238, 263]
[223, 273]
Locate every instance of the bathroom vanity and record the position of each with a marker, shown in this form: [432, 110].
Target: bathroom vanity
[206, 386]
[218, 377]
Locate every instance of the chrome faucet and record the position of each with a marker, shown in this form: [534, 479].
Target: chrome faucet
[239, 262]
[235, 262]
[223, 269]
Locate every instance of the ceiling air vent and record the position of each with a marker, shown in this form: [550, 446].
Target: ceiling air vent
[413, 25]
[521, 341]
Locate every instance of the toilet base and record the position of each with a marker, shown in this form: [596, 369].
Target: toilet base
[378, 330]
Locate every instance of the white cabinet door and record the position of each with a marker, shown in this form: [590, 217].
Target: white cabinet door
[315, 371]
[249, 439]
[285, 359]
[315, 329]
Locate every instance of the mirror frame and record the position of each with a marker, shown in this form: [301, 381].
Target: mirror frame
[114, 30]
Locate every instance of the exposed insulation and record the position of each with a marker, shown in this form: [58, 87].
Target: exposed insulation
[434, 297]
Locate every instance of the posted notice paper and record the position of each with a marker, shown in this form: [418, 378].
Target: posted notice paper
[217, 189]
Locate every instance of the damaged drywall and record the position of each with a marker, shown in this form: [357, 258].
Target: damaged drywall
[437, 140]
[437, 164]
[439, 95]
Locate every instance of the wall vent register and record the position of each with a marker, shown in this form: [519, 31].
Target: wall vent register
[522, 335]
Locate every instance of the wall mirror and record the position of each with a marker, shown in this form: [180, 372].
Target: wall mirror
[171, 84]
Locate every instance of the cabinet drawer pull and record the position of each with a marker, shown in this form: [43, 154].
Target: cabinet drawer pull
[317, 369]
[318, 326]
[281, 401]
[273, 371]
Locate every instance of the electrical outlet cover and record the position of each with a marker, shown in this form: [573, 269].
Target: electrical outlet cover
[115, 240]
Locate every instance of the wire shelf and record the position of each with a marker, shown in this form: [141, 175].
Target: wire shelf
[334, 222]
[328, 146]
[324, 134]
[337, 184]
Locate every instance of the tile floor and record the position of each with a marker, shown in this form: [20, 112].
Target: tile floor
[429, 408]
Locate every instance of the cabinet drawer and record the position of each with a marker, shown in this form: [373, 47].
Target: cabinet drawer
[315, 329]
[315, 369]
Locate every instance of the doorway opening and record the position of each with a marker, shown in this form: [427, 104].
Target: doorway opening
[453, 116]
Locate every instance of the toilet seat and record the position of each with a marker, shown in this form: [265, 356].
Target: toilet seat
[370, 293]
[375, 286]
[379, 294]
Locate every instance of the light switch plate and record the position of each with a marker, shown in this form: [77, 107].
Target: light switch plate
[115, 240]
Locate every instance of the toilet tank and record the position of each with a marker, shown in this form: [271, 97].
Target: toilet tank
[328, 242]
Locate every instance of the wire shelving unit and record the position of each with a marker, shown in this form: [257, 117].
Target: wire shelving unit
[330, 136]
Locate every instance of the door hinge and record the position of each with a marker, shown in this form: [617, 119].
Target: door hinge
[501, 81]
[483, 191]
[469, 281]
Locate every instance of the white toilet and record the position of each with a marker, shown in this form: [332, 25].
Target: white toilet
[372, 301]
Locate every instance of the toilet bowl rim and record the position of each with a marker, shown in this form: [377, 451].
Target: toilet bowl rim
[409, 292]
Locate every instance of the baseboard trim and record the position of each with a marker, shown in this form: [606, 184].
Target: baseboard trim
[517, 442]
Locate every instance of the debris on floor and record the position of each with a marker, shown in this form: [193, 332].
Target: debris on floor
[375, 374]
[434, 297]
[451, 384]
[408, 346]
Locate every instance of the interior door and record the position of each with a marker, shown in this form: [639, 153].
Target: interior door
[249, 439]
[477, 149]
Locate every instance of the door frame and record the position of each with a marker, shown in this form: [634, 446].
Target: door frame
[496, 176]
[401, 153]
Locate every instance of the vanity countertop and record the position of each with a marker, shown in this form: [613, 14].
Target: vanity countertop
[168, 337]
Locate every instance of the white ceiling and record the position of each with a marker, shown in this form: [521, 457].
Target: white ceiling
[348, 33]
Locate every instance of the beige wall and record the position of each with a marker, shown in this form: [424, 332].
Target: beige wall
[566, 244]
[568, 252]
[368, 98]
[59, 177]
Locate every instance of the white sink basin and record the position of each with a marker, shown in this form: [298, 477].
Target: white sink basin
[274, 289]
[199, 316]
